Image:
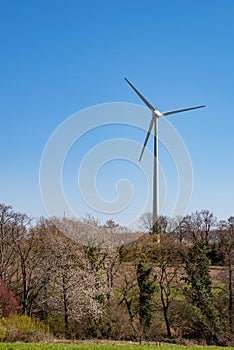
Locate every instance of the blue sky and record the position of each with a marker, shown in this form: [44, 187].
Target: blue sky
[59, 57]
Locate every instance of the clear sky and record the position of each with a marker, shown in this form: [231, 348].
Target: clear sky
[59, 57]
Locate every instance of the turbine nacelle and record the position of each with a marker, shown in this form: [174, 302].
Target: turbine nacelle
[157, 114]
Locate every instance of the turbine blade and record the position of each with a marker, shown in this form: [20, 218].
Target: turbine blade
[181, 110]
[147, 137]
[149, 105]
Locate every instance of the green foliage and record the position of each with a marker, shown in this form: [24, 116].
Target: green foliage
[56, 326]
[3, 331]
[22, 328]
[146, 290]
[198, 278]
[198, 292]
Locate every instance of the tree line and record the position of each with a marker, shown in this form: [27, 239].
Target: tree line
[87, 280]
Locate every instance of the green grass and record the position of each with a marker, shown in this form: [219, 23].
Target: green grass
[50, 346]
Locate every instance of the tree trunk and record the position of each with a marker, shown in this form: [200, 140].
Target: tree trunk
[230, 292]
[25, 294]
[65, 309]
[165, 305]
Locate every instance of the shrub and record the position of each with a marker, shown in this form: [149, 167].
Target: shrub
[22, 328]
[8, 302]
[2, 332]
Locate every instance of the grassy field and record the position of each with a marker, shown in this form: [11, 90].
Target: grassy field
[43, 346]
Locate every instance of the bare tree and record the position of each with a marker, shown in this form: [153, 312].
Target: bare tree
[7, 255]
[146, 223]
[199, 226]
[21, 241]
[168, 269]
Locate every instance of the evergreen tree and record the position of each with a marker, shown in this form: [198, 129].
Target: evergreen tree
[198, 292]
[146, 289]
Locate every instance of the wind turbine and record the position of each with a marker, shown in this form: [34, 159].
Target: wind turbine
[156, 114]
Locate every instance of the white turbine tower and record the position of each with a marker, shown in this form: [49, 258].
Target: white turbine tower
[156, 114]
